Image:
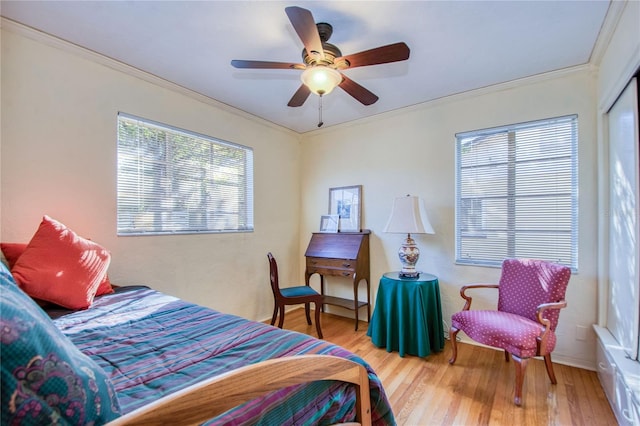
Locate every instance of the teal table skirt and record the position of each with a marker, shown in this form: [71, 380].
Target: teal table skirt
[408, 315]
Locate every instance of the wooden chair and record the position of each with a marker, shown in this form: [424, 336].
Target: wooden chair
[204, 400]
[293, 296]
[530, 296]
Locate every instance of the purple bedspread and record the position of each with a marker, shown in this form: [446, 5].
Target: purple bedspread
[152, 344]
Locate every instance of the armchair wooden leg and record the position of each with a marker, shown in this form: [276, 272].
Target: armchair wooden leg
[549, 365]
[521, 366]
[454, 347]
[307, 311]
[318, 329]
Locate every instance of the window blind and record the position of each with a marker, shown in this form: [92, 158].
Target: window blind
[517, 193]
[174, 181]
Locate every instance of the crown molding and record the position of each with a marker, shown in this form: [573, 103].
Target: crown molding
[614, 13]
[494, 88]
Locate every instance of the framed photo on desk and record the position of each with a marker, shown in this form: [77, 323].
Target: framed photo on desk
[329, 223]
[346, 202]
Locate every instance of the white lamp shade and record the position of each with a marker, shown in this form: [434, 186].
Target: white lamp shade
[408, 217]
[321, 79]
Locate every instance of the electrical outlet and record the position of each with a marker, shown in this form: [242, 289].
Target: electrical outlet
[581, 332]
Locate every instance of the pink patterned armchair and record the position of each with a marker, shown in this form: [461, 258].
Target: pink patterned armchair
[530, 296]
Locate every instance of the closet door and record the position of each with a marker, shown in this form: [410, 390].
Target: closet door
[623, 313]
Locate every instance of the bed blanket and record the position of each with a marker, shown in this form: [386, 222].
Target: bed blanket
[152, 344]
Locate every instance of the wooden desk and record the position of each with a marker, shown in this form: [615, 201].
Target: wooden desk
[341, 254]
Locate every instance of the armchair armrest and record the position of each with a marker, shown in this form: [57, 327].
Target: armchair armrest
[542, 338]
[463, 290]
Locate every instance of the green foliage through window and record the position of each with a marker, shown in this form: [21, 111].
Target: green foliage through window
[172, 181]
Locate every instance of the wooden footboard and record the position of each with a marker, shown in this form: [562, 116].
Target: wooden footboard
[214, 396]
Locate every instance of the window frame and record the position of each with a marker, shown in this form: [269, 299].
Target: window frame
[510, 231]
[173, 181]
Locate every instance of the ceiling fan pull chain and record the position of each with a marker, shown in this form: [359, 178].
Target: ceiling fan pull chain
[320, 123]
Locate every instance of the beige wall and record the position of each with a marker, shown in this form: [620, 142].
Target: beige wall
[412, 151]
[59, 158]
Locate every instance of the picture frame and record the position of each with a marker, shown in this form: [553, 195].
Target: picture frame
[346, 202]
[329, 223]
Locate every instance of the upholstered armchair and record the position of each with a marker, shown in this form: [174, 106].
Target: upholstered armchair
[530, 296]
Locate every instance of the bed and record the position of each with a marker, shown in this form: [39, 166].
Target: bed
[140, 346]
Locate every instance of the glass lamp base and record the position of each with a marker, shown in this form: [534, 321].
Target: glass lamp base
[409, 274]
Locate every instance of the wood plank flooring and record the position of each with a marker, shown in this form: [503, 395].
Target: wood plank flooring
[476, 390]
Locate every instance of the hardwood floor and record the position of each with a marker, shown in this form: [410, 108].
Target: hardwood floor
[476, 390]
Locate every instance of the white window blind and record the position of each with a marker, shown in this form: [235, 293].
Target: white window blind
[517, 193]
[173, 181]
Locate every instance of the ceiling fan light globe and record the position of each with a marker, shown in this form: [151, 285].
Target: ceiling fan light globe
[321, 79]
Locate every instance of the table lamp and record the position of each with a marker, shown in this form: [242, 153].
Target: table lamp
[408, 217]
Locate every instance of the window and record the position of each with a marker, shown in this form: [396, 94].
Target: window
[172, 181]
[517, 193]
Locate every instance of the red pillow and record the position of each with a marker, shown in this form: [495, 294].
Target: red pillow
[12, 251]
[105, 286]
[61, 267]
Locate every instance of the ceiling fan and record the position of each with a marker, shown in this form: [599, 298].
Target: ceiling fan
[323, 61]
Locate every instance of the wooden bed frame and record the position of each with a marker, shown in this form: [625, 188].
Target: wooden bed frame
[209, 398]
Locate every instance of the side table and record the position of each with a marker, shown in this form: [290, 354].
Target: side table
[408, 315]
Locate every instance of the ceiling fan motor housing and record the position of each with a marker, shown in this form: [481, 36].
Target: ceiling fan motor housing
[324, 31]
[331, 51]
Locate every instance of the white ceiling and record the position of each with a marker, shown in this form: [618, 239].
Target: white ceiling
[456, 46]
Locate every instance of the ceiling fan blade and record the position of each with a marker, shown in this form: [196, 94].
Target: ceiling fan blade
[361, 94]
[238, 63]
[300, 96]
[379, 55]
[304, 24]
